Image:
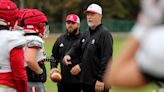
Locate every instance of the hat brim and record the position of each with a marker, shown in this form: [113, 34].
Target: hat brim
[90, 11]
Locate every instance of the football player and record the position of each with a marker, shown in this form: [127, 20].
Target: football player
[35, 25]
[13, 77]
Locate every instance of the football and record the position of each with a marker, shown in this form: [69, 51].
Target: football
[56, 76]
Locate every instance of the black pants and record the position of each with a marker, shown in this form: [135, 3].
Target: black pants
[91, 88]
[69, 87]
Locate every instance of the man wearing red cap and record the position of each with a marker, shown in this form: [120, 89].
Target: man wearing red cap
[13, 77]
[69, 82]
[95, 49]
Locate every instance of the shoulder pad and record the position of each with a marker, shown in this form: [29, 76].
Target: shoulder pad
[15, 39]
[34, 41]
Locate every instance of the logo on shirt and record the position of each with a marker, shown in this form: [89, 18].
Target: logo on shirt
[83, 40]
[61, 45]
[93, 41]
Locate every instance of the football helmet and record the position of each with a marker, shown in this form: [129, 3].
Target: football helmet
[8, 13]
[33, 21]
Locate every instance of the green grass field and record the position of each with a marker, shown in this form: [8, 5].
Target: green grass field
[118, 40]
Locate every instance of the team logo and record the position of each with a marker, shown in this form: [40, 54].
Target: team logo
[83, 40]
[93, 41]
[71, 18]
[61, 45]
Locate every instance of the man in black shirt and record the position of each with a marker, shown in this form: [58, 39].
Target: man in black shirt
[69, 83]
[95, 49]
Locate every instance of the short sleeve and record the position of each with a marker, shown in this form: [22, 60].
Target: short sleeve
[16, 39]
[34, 41]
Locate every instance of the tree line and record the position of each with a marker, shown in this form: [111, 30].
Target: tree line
[57, 9]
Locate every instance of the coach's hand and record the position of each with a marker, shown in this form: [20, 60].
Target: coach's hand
[99, 86]
[75, 70]
[67, 60]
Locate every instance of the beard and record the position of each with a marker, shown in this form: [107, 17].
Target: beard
[90, 24]
[72, 32]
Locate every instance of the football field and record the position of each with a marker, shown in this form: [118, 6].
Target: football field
[118, 40]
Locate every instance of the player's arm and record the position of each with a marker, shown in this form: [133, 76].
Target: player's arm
[18, 70]
[124, 70]
[128, 50]
[30, 57]
[129, 75]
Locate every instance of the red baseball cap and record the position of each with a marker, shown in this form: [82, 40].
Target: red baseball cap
[73, 18]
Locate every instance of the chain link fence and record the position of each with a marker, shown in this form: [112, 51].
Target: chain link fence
[114, 25]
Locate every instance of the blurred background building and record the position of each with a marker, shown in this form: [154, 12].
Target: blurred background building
[118, 15]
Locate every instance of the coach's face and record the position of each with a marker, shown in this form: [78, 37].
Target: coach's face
[72, 27]
[93, 19]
